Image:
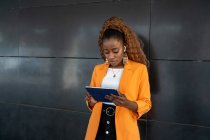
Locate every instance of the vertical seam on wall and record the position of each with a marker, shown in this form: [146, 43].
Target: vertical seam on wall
[149, 57]
[150, 21]
[18, 26]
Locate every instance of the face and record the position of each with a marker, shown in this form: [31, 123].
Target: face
[113, 50]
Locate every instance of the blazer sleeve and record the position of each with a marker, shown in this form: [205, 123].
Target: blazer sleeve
[144, 100]
[93, 84]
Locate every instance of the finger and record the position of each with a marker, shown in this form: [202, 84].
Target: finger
[106, 97]
[121, 102]
[118, 97]
[118, 103]
[109, 97]
[86, 97]
[122, 95]
[88, 94]
[114, 96]
[87, 100]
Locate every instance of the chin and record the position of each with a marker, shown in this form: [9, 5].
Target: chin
[114, 64]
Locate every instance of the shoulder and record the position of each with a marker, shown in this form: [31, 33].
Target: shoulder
[99, 67]
[136, 65]
[139, 68]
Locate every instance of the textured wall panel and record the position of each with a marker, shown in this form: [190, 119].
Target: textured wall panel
[73, 30]
[180, 29]
[180, 92]
[55, 82]
[38, 3]
[9, 79]
[9, 122]
[9, 38]
[42, 124]
[34, 123]
[142, 128]
[173, 131]
[10, 4]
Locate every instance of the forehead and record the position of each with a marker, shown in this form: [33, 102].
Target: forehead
[112, 42]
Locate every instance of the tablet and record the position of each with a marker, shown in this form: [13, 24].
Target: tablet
[99, 93]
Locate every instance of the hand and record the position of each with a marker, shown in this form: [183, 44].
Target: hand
[120, 100]
[91, 101]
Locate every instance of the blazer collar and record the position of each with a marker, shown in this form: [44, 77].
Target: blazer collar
[126, 75]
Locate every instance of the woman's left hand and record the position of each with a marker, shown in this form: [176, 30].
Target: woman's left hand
[120, 100]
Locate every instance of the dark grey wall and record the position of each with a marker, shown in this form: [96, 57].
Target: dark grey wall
[48, 49]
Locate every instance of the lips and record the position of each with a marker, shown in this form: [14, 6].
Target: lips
[112, 61]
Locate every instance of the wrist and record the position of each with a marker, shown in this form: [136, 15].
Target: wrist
[128, 104]
[131, 105]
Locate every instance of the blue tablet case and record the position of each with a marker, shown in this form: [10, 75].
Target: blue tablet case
[99, 93]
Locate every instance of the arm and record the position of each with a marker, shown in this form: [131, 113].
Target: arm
[143, 102]
[90, 101]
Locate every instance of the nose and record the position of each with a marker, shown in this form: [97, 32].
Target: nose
[111, 56]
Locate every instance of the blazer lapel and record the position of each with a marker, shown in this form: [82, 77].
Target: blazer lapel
[126, 75]
[102, 73]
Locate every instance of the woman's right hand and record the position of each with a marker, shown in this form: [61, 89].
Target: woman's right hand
[91, 101]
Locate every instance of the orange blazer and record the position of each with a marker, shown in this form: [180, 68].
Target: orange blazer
[134, 84]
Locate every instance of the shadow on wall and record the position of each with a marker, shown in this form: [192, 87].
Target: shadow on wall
[152, 70]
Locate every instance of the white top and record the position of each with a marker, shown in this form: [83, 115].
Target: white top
[112, 79]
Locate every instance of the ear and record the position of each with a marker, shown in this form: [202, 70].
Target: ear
[124, 48]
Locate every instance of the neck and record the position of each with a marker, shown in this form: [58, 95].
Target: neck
[118, 66]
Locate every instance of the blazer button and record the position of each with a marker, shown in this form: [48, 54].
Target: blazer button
[107, 132]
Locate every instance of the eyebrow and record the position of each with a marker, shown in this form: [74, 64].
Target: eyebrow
[112, 49]
[115, 49]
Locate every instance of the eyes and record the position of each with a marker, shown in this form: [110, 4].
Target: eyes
[115, 51]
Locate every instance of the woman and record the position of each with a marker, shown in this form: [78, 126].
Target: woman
[125, 70]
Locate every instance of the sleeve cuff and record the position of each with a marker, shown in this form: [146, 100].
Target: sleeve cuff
[141, 109]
